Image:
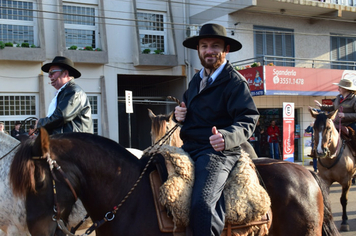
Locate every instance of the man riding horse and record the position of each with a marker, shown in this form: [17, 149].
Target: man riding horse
[218, 115]
[345, 104]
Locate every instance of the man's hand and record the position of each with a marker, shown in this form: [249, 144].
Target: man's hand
[216, 140]
[180, 112]
[317, 103]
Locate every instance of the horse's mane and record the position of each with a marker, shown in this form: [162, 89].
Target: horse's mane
[66, 149]
[22, 171]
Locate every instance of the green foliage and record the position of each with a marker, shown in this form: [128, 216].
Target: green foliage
[88, 48]
[25, 45]
[158, 51]
[146, 51]
[9, 44]
[98, 49]
[2, 45]
[33, 46]
[73, 47]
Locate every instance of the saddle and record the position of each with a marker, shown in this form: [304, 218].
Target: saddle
[238, 220]
[349, 135]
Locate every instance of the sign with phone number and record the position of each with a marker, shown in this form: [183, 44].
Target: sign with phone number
[292, 81]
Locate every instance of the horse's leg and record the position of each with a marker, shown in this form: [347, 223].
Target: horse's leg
[343, 200]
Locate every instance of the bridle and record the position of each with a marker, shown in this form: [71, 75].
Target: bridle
[56, 208]
[338, 151]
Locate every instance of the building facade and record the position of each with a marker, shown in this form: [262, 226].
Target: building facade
[137, 46]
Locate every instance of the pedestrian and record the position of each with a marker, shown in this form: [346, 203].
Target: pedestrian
[32, 132]
[273, 138]
[310, 130]
[258, 135]
[69, 111]
[215, 122]
[2, 128]
[17, 131]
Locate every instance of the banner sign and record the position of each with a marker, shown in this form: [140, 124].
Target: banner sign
[128, 99]
[280, 80]
[255, 79]
[288, 131]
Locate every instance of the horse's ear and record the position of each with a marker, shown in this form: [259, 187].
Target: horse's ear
[41, 145]
[170, 116]
[331, 115]
[151, 114]
[313, 112]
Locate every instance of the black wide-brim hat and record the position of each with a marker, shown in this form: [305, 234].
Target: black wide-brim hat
[64, 63]
[212, 31]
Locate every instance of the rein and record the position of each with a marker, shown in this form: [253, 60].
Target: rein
[16, 146]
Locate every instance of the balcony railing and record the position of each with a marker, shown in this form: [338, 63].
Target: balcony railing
[296, 62]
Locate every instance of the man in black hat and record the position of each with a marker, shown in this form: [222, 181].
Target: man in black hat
[17, 131]
[70, 109]
[218, 115]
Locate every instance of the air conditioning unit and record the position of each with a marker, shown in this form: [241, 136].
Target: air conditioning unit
[192, 30]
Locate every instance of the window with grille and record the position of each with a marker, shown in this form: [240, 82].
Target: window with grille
[18, 108]
[343, 52]
[81, 26]
[275, 44]
[21, 107]
[18, 22]
[95, 112]
[152, 31]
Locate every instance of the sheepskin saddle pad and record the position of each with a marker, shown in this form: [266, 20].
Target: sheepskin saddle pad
[245, 199]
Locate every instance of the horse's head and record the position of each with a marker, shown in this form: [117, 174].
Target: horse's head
[325, 133]
[31, 178]
[160, 125]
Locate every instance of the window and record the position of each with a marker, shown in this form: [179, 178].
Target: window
[18, 108]
[276, 45]
[343, 52]
[81, 26]
[18, 22]
[152, 31]
[95, 112]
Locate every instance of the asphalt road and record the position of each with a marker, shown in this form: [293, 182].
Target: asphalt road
[335, 194]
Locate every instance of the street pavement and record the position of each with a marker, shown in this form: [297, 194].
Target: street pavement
[335, 194]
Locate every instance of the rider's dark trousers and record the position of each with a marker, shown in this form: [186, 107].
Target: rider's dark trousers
[207, 215]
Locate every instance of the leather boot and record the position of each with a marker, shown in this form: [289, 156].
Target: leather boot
[345, 131]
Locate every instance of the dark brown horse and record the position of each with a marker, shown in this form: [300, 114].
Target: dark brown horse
[336, 162]
[101, 173]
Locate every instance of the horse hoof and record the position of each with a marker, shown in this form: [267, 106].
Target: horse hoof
[344, 228]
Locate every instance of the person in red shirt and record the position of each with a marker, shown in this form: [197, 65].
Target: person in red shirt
[273, 135]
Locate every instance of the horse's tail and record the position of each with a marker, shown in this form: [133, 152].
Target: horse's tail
[329, 227]
[22, 171]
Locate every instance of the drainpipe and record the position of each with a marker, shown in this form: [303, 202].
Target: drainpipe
[186, 55]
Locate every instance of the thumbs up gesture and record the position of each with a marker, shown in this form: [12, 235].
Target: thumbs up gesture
[217, 140]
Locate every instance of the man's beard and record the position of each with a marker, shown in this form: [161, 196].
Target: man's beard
[212, 66]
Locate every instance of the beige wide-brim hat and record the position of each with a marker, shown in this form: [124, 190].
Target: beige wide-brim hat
[347, 83]
[212, 31]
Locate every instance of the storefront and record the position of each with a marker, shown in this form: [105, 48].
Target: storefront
[273, 85]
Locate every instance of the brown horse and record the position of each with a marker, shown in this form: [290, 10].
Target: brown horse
[102, 173]
[335, 160]
[160, 125]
